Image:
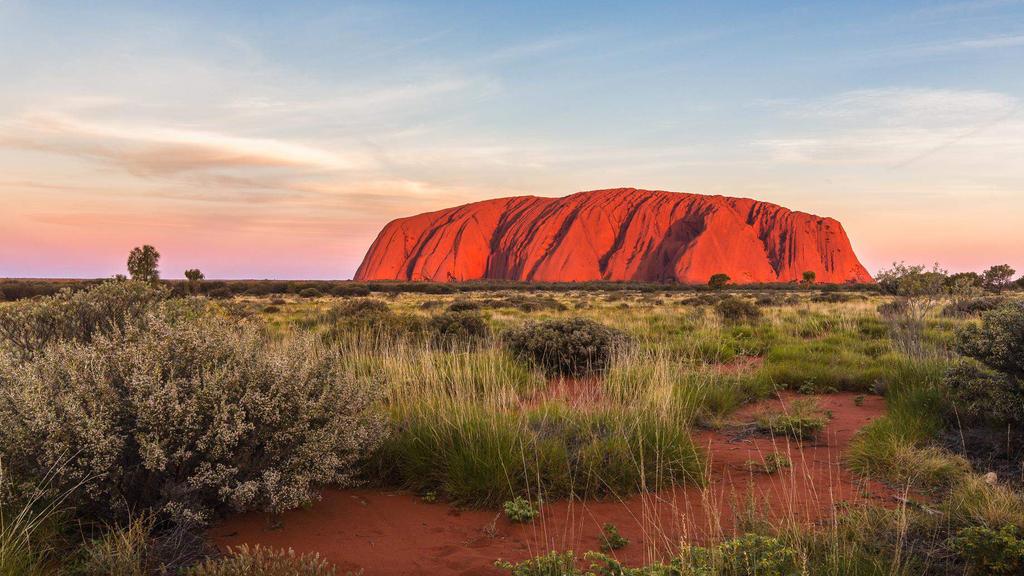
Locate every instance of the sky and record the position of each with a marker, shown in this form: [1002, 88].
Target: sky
[275, 139]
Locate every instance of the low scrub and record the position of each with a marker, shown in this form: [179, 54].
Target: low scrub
[463, 328]
[367, 317]
[973, 306]
[801, 420]
[988, 551]
[520, 510]
[736, 309]
[188, 415]
[569, 347]
[260, 561]
[29, 326]
[747, 555]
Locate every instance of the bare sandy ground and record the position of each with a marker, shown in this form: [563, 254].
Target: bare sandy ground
[392, 532]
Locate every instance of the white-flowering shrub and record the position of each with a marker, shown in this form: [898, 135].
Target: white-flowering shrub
[186, 413]
[28, 326]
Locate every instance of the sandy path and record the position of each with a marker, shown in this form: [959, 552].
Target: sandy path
[391, 533]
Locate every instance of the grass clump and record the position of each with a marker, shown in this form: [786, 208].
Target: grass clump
[802, 420]
[356, 319]
[481, 456]
[899, 447]
[520, 510]
[772, 463]
[260, 561]
[566, 347]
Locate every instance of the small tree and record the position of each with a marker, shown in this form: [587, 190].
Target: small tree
[718, 281]
[997, 278]
[810, 277]
[917, 291]
[142, 264]
[965, 279]
[963, 287]
[194, 277]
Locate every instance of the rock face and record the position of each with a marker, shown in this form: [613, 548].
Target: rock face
[620, 234]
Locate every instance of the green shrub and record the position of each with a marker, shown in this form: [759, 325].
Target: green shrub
[736, 309]
[465, 327]
[718, 281]
[972, 306]
[893, 309]
[990, 391]
[367, 316]
[756, 555]
[531, 303]
[611, 539]
[831, 297]
[463, 306]
[310, 293]
[350, 290]
[999, 341]
[220, 293]
[987, 551]
[773, 462]
[259, 561]
[189, 415]
[550, 564]
[802, 420]
[983, 396]
[567, 347]
[520, 510]
[28, 326]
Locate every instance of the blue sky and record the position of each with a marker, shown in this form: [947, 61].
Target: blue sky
[275, 141]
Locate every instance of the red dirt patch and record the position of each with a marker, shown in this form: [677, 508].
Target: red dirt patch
[580, 393]
[386, 532]
[740, 365]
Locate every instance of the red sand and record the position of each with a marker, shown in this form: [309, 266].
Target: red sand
[619, 234]
[390, 533]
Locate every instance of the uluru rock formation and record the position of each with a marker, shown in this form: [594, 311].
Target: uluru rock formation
[619, 234]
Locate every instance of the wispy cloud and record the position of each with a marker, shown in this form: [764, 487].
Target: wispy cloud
[906, 106]
[370, 100]
[897, 127]
[158, 149]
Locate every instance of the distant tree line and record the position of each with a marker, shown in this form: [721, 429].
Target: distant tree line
[143, 264]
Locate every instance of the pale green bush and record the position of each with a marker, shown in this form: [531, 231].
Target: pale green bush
[28, 326]
[187, 414]
[566, 347]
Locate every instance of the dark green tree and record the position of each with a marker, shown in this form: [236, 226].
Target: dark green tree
[142, 264]
[718, 281]
[998, 278]
[195, 278]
